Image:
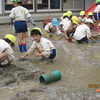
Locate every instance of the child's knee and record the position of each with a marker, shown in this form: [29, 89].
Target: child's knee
[40, 49]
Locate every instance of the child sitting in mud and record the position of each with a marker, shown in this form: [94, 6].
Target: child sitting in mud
[45, 48]
[82, 17]
[70, 27]
[82, 33]
[6, 51]
[52, 29]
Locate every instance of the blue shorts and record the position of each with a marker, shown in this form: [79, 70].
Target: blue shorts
[97, 16]
[83, 40]
[20, 26]
[53, 54]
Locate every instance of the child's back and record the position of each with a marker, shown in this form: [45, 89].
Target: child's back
[20, 13]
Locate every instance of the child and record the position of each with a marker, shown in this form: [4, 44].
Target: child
[70, 26]
[65, 18]
[70, 13]
[52, 29]
[97, 14]
[82, 17]
[19, 15]
[82, 33]
[90, 16]
[45, 48]
[6, 51]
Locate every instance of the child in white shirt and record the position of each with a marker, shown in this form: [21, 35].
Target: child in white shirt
[19, 14]
[82, 33]
[6, 51]
[45, 48]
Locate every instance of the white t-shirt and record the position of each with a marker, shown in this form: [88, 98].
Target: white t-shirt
[19, 13]
[66, 25]
[45, 44]
[64, 21]
[50, 26]
[93, 19]
[82, 19]
[5, 47]
[97, 9]
[82, 31]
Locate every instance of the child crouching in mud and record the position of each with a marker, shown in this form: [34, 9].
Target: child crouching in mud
[6, 51]
[45, 48]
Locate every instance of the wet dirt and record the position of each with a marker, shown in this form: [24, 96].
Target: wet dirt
[78, 63]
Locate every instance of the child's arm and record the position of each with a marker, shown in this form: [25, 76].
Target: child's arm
[88, 33]
[22, 57]
[31, 21]
[3, 55]
[47, 28]
[12, 21]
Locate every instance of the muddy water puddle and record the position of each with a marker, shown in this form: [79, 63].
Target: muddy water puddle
[79, 64]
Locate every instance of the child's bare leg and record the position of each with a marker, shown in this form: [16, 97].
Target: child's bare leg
[40, 50]
[3, 56]
[24, 37]
[19, 35]
[24, 41]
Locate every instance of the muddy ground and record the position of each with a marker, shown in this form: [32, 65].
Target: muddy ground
[79, 64]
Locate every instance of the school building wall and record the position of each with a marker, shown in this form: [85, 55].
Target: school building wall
[89, 3]
[0, 7]
[74, 5]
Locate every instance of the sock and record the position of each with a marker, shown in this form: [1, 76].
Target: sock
[20, 48]
[24, 48]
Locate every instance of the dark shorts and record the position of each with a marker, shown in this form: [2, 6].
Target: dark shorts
[53, 54]
[97, 16]
[20, 26]
[83, 40]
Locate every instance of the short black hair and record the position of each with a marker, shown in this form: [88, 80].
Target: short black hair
[19, 3]
[65, 17]
[98, 3]
[35, 32]
[8, 41]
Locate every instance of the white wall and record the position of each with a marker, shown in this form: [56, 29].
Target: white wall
[0, 7]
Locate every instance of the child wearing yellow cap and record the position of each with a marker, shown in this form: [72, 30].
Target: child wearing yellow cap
[70, 27]
[6, 51]
[90, 16]
[82, 17]
[64, 20]
[45, 47]
[82, 33]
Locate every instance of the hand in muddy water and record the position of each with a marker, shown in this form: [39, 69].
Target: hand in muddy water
[22, 59]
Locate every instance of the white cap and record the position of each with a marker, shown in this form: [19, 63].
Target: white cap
[89, 21]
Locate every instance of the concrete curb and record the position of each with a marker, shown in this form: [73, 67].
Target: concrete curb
[35, 16]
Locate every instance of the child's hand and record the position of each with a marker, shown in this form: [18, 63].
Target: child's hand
[22, 57]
